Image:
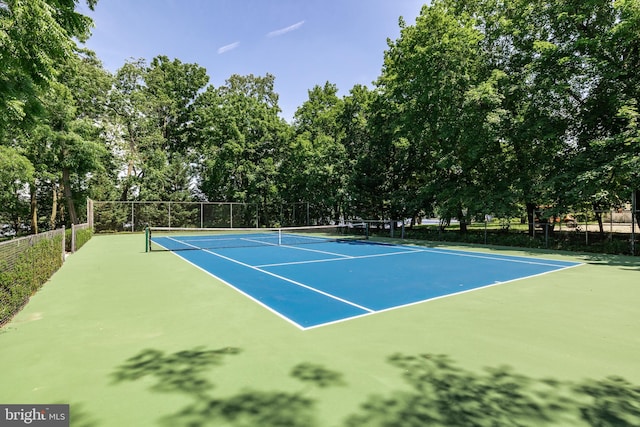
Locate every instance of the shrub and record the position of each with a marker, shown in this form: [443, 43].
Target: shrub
[22, 278]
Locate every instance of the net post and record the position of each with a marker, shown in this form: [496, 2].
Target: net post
[147, 239]
[279, 237]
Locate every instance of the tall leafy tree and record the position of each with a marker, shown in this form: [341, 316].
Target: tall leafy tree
[16, 172]
[35, 36]
[173, 87]
[316, 165]
[243, 141]
[354, 121]
[441, 94]
[65, 144]
[152, 108]
[599, 44]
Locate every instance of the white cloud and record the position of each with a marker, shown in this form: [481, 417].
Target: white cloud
[228, 47]
[282, 31]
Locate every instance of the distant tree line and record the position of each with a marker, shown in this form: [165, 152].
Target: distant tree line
[481, 107]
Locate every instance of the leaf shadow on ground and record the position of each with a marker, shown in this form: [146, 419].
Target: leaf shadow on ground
[79, 417]
[185, 372]
[442, 394]
[623, 261]
[439, 394]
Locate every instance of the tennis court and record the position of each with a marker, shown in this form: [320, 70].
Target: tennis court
[317, 276]
[133, 338]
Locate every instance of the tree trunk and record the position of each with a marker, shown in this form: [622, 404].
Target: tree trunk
[598, 214]
[125, 192]
[54, 207]
[463, 221]
[636, 214]
[34, 208]
[66, 183]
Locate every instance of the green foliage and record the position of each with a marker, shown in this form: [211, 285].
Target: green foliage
[243, 142]
[15, 173]
[22, 278]
[36, 35]
[575, 241]
[482, 107]
[315, 169]
[83, 235]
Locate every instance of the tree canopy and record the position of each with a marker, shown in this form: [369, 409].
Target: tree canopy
[481, 107]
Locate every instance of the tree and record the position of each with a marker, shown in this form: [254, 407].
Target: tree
[152, 108]
[600, 44]
[172, 87]
[440, 97]
[70, 143]
[315, 168]
[242, 140]
[356, 134]
[35, 36]
[16, 173]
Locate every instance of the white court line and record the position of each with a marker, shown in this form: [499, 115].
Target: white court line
[337, 298]
[508, 258]
[338, 259]
[397, 307]
[368, 311]
[252, 298]
[299, 248]
[408, 250]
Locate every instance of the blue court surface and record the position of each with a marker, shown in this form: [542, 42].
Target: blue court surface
[316, 284]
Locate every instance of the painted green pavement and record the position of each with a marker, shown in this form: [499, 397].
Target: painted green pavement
[129, 338]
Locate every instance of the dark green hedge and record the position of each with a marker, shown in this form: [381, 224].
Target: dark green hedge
[32, 269]
[615, 244]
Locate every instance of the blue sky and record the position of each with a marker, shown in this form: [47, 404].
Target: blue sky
[303, 43]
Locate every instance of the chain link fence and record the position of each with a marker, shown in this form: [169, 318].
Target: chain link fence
[613, 231]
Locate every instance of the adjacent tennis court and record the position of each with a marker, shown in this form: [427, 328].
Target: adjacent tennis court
[321, 275]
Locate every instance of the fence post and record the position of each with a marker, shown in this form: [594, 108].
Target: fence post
[64, 236]
[546, 235]
[90, 212]
[586, 229]
[73, 238]
[485, 229]
[634, 213]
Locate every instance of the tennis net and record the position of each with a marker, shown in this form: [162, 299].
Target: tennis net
[177, 239]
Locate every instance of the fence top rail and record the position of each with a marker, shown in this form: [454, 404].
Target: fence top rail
[127, 202]
[32, 237]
